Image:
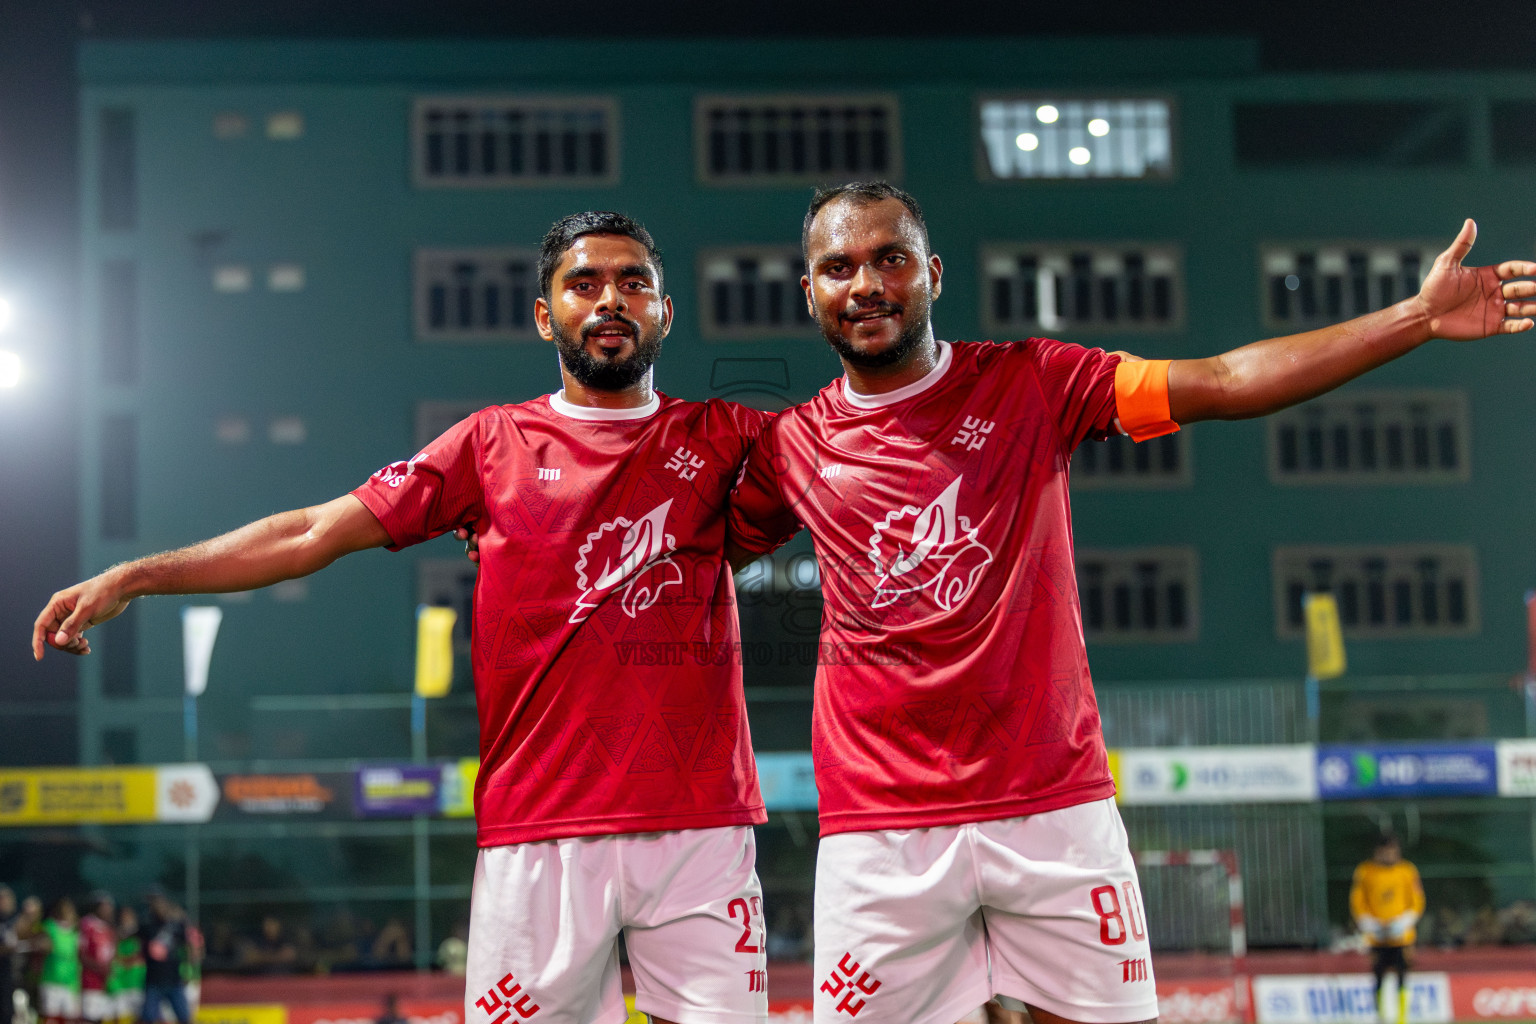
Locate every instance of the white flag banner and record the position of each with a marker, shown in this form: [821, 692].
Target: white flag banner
[185, 792]
[199, 629]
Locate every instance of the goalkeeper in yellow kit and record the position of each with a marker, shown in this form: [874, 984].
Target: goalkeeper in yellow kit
[1386, 901]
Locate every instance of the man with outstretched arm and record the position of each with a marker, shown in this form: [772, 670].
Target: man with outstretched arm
[970, 842]
[617, 789]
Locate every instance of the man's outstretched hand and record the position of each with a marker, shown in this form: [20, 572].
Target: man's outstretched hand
[69, 613]
[1463, 303]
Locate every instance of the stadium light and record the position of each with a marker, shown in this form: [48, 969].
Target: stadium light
[1098, 127]
[1028, 141]
[10, 369]
[1047, 113]
[1079, 155]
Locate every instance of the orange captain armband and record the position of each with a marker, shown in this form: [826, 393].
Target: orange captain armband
[1141, 398]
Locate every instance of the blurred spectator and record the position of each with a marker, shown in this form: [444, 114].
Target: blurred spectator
[164, 937]
[392, 946]
[789, 935]
[391, 1011]
[59, 942]
[10, 945]
[98, 948]
[270, 951]
[453, 952]
[127, 978]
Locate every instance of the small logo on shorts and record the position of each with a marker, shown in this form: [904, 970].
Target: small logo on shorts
[1133, 970]
[843, 978]
[498, 1002]
[757, 981]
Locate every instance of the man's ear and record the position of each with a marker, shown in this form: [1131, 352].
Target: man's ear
[810, 298]
[541, 318]
[666, 315]
[936, 274]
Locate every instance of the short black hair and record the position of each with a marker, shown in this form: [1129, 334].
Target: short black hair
[861, 192]
[560, 237]
[1388, 839]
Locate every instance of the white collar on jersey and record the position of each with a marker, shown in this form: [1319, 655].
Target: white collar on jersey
[917, 387]
[558, 403]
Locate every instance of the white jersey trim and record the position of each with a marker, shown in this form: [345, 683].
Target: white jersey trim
[558, 402]
[905, 392]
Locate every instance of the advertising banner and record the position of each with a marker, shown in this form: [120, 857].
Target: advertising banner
[1202, 1001]
[397, 790]
[244, 1013]
[1347, 998]
[456, 794]
[325, 796]
[788, 781]
[107, 796]
[1517, 767]
[1190, 775]
[1502, 995]
[1351, 772]
[415, 1011]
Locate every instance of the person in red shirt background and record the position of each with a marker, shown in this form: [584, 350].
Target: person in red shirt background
[970, 843]
[98, 948]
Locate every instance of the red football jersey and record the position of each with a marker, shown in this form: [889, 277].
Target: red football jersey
[98, 943]
[953, 681]
[606, 647]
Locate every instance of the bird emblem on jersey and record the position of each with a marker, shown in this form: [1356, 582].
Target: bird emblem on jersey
[642, 556]
[934, 548]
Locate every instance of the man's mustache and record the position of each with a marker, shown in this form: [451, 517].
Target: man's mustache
[878, 309]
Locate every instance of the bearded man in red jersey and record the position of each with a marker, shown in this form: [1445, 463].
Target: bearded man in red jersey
[617, 790]
[970, 842]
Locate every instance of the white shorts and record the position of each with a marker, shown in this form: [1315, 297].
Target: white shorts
[545, 917]
[129, 1002]
[58, 1001]
[96, 1005]
[923, 925]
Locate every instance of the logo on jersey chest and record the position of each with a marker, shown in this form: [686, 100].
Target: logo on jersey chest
[639, 559]
[931, 549]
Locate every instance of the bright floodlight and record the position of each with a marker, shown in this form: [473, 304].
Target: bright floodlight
[1028, 141]
[10, 369]
[1079, 155]
[5, 314]
[1098, 127]
[1047, 113]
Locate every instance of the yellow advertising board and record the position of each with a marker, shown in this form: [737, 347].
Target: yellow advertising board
[1114, 770]
[60, 796]
[458, 792]
[243, 1013]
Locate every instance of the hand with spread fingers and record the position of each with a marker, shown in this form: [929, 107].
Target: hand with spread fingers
[1463, 303]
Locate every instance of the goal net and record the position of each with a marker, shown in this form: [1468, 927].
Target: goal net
[1193, 901]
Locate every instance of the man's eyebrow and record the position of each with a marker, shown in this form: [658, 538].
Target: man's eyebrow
[637, 270]
[884, 250]
[632, 270]
[576, 273]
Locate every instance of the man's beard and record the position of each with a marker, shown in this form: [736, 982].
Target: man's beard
[601, 373]
[914, 331]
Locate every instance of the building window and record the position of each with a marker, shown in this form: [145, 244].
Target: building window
[476, 294]
[1121, 464]
[118, 639]
[117, 170]
[118, 306]
[1045, 137]
[753, 292]
[1373, 437]
[1082, 287]
[1139, 595]
[1513, 141]
[1407, 590]
[1315, 285]
[434, 418]
[513, 140]
[796, 139]
[1352, 133]
[119, 454]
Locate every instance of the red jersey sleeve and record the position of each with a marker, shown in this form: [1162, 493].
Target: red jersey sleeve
[1079, 387]
[759, 518]
[437, 491]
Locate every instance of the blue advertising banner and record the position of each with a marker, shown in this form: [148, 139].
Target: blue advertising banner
[1351, 772]
[397, 790]
[788, 781]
